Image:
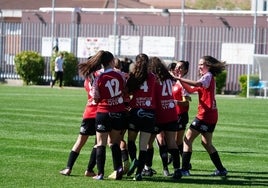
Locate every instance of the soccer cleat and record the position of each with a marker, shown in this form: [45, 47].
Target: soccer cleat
[125, 166]
[117, 174]
[177, 174]
[223, 172]
[149, 172]
[66, 172]
[90, 173]
[185, 173]
[138, 177]
[166, 171]
[112, 175]
[132, 167]
[98, 177]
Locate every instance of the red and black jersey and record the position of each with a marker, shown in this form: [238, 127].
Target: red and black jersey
[144, 97]
[178, 93]
[207, 107]
[108, 89]
[91, 106]
[165, 105]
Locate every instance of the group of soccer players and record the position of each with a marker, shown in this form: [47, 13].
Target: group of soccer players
[150, 102]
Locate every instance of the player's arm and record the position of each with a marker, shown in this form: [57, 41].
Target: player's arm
[184, 102]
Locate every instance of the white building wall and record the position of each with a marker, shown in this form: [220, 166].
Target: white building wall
[261, 5]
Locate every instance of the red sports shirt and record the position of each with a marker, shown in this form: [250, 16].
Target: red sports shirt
[165, 106]
[207, 107]
[91, 106]
[108, 88]
[144, 97]
[178, 93]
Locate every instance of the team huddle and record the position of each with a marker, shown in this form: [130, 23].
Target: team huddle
[149, 102]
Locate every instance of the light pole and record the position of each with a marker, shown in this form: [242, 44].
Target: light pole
[115, 22]
[254, 43]
[166, 13]
[181, 55]
[52, 26]
[52, 34]
[1, 37]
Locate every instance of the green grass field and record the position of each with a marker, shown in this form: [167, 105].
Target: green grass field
[39, 125]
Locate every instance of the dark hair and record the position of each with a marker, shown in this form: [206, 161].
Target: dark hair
[139, 73]
[171, 66]
[126, 64]
[118, 63]
[185, 65]
[94, 63]
[157, 67]
[215, 66]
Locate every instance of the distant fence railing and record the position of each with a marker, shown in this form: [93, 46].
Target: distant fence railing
[198, 41]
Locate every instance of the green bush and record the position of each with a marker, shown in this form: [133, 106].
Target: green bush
[30, 67]
[221, 82]
[69, 67]
[243, 85]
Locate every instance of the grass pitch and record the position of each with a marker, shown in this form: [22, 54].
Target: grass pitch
[39, 125]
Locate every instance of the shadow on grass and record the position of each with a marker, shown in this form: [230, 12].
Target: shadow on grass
[234, 178]
[233, 152]
[256, 179]
[241, 152]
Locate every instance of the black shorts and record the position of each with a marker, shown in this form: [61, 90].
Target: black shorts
[170, 126]
[142, 120]
[88, 127]
[183, 119]
[105, 122]
[202, 127]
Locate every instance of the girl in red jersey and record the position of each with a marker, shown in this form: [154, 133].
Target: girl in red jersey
[87, 129]
[207, 115]
[182, 99]
[141, 87]
[166, 115]
[123, 144]
[110, 118]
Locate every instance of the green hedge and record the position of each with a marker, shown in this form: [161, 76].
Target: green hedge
[30, 67]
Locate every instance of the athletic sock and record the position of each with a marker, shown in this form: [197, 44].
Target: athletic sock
[124, 154]
[186, 157]
[132, 149]
[150, 155]
[180, 148]
[116, 155]
[71, 160]
[215, 158]
[92, 160]
[141, 161]
[100, 159]
[175, 153]
[164, 155]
